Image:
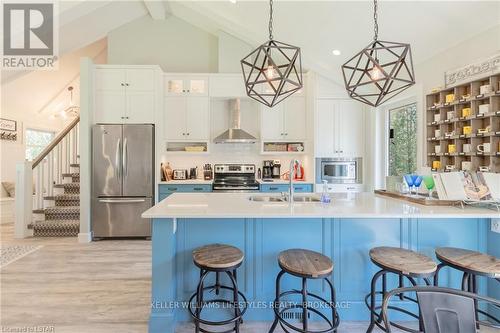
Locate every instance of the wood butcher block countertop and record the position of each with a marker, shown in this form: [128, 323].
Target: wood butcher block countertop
[359, 205]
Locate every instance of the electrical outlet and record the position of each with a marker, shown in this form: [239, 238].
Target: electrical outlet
[495, 225]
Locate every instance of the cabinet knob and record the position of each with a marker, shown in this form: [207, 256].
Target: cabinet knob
[188, 133]
[127, 84]
[122, 84]
[183, 90]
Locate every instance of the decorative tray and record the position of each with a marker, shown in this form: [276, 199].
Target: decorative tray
[419, 199]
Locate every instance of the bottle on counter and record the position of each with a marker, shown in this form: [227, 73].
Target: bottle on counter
[325, 198]
[259, 174]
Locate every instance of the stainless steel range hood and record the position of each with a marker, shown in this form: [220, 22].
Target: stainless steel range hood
[235, 134]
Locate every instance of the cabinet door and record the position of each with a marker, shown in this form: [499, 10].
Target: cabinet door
[196, 86]
[109, 79]
[174, 85]
[351, 129]
[140, 107]
[109, 106]
[140, 79]
[175, 118]
[295, 122]
[324, 128]
[197, 118]
[272, 123]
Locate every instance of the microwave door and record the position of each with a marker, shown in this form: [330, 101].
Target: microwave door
[106, 156]
[137, 160]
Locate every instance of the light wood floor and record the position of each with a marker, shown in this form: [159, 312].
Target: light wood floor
[87, 288]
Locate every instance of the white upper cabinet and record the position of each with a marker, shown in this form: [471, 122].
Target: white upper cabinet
[286, 121]
[126, 95]
[186, 85]
[339, 128]
[186, 118]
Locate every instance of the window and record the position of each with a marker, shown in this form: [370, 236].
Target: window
[36, 141]
[402, 140]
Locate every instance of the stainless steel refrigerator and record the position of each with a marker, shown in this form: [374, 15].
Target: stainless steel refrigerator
[122, 179]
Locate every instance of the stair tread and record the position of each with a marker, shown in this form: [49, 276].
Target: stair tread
[67, 185]
[54, 222]
[75, 165]
[71, 174]
[55, 209]
[62, 197]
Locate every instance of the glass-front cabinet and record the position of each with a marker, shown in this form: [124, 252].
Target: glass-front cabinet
[186, 85]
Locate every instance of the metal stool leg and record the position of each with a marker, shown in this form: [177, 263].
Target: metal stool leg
[276, 301]
[436, 275]
[199, 300]
[304, 304]
[333, 304]
[235, 300]
[373, 291]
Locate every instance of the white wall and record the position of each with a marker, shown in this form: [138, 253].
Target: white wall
[231, 51]
[174, 44]
[33, 98]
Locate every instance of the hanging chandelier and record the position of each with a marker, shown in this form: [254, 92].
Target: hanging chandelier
[380, 71]
[273, 71]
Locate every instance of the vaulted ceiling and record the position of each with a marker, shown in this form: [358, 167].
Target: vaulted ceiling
[318, 27]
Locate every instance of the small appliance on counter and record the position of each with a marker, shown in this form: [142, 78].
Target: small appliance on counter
[341, 174]
[267, 169]
[207, 172]
[180, 174]
[166, 172]
[276, 174]
[193, 173]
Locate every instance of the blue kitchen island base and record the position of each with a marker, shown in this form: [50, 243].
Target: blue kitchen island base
[346, 241]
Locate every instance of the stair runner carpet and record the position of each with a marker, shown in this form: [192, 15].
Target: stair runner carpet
[62, 219]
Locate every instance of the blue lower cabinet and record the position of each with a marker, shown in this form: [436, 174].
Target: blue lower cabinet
[165, 190]
[277, 188]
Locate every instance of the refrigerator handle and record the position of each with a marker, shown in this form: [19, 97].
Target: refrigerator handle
[121, 200]
[125, 158]
[117, 167]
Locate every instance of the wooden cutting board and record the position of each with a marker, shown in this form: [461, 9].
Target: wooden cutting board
[420, 199]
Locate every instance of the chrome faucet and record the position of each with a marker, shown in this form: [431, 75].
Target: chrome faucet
[292, 174]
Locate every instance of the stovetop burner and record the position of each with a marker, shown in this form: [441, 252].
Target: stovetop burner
[235, 177]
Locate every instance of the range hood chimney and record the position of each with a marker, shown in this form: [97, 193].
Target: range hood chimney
[235, 134]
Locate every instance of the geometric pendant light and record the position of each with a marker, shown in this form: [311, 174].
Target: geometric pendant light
[273, 71]
[380, 71]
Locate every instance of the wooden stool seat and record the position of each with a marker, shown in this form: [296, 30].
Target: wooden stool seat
[217, 256]
[305, 263]
[472, 261]
[405, 261]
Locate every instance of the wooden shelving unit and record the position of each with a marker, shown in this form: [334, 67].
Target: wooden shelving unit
[446, 121]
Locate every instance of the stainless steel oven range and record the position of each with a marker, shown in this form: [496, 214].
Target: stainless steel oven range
[235, 178]
[339, 170]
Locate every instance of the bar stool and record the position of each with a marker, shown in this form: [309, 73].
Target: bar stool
[404, 263]
[472, 264]
[218, 258]
[304, 264]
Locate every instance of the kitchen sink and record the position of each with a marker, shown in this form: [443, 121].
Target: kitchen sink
[267, 199]
[301, 198]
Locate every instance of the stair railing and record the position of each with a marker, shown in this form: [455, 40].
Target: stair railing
[43, 172]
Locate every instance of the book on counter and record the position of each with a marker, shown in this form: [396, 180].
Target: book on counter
[469, 186]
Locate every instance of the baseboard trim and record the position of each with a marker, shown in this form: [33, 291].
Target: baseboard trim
[85, 237]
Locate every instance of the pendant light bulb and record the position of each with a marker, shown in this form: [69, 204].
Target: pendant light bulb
[271, 72]
[376, 73]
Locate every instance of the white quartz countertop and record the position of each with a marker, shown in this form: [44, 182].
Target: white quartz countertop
[187, 182]
[359, 205]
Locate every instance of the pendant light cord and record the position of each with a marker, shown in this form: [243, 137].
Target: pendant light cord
[375, 20]
[270, 19]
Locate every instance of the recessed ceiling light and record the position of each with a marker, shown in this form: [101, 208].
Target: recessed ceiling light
[232, 1]
[336, 52]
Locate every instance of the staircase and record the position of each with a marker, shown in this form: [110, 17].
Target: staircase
[61, 215]
[48, 189]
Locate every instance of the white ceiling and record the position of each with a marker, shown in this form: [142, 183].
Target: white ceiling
[319, 27]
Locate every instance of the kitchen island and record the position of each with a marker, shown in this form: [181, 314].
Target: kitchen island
[344, 230]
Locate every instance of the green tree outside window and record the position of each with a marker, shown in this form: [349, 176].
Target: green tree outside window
[403, 144]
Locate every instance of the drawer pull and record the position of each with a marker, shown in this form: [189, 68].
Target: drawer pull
[172, 188]
[273, 188]
[198, 189]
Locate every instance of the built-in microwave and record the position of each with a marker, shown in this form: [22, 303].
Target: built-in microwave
[339, 170]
